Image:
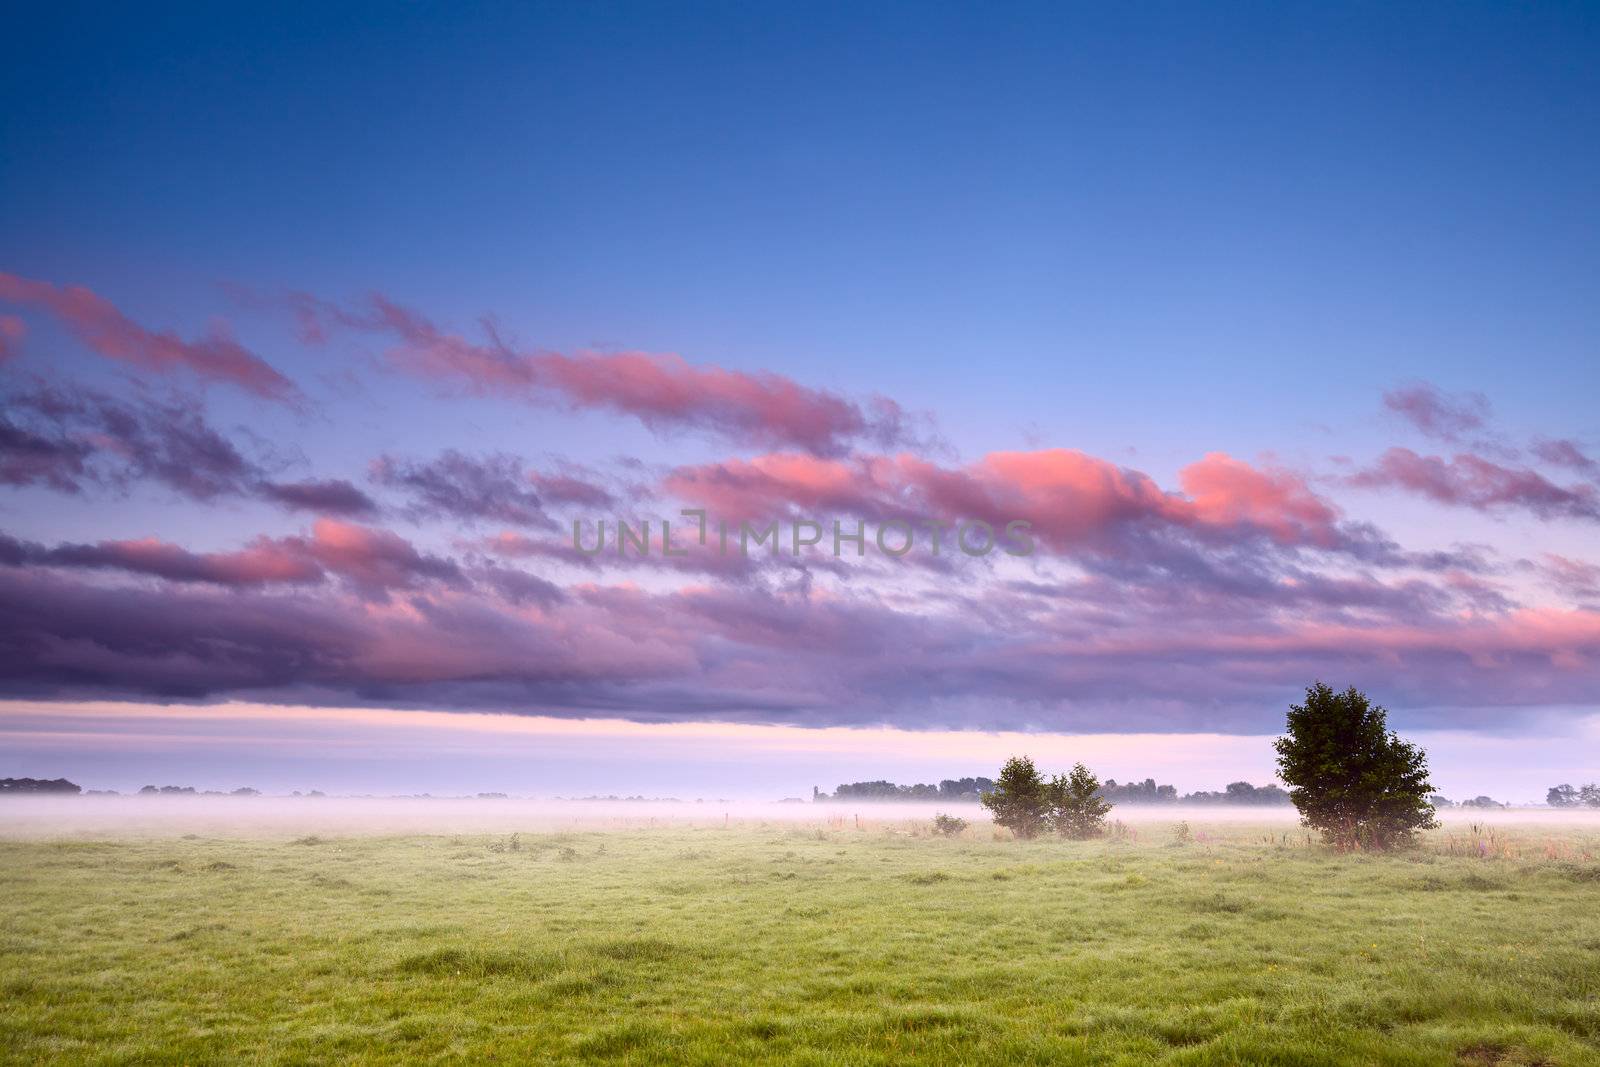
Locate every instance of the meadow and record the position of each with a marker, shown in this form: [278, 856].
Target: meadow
[816, 938]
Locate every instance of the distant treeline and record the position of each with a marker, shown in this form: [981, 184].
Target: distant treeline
[1564, 796]
[970, 789]
[191, 791]
[38, 785]
[1147, 792]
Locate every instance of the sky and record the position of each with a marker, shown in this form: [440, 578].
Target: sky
[1274, 328]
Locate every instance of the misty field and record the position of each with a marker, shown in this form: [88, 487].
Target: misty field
[802, 942]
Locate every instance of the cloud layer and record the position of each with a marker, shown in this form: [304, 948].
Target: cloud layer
[447, 577]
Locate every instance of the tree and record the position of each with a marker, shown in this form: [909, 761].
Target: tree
[1351, 777]
[1590, 795]
[1076, 810]
[1020, 798]
[1562, 796]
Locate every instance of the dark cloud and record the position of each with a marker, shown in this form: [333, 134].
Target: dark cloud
[262, 563]
[92, 438]
[373, 562]
[494, 488]
[518, 587]
[49, 460]
[1103, 652]
[72, 439]
[332, 497]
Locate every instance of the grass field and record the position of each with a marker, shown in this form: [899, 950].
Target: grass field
[802, 942]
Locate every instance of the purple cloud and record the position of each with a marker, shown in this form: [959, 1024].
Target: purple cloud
[1470, 481]
[1565, 453]
[330, 497]
[1437, 414]
[72, 438]
[492, 488]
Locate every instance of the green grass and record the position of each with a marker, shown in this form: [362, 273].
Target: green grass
[800, 944]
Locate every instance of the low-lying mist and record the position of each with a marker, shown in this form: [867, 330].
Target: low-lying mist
[124, 816]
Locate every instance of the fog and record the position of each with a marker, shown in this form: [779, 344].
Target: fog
[100, 817]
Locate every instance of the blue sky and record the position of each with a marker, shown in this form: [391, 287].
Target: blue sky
[1149, 223]
[1146, 234]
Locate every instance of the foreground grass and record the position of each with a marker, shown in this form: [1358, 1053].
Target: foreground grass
[799, 944]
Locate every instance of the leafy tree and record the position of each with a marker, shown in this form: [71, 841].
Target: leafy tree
[1351, 777]
[1076, 810]
[1590, 795]
[949, 825]
[1562, 796]
[1020, 798]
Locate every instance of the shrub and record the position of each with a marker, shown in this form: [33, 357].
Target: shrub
[1020, 799]
[948, 825]
[1076, 810]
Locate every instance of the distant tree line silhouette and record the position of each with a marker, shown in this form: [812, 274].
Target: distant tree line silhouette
[191, 791]
[38, 785]
[1564, 796]
[949, 789]
[973, 789]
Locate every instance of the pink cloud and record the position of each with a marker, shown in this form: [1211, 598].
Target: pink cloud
[1226, 492]
[771, 484]
[374, 560]
[1072, 499]
[100, 325]
[662, 390]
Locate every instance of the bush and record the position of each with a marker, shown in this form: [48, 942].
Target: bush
[1027, 805]
[1020, 799]
[1350, 776]
[949, 825]
[1076, 810]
